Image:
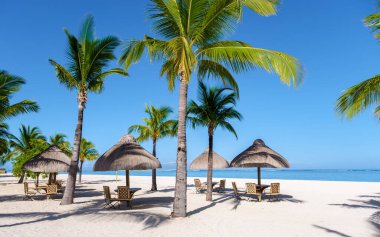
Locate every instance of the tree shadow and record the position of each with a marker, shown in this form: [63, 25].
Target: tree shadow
[331, 231]
[211, 204]
[370, 203]
[93, 212]
[374, 220]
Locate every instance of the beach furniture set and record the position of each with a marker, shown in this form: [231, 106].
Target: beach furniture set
[258, 191]
[49, 190]
[252, 189]
[123, 194]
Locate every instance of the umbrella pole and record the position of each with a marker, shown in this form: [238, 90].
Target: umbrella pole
[49, 182]
[259, 175]
[38, 176]
[127, 178]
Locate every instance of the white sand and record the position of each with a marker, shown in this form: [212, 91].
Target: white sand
[308, 208]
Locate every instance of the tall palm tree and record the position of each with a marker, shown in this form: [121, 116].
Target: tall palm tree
[156, 126]
[215, 109]
[87, 152]
[87, 59]
[10, 84]
[193, 40]
[366, 93]
[60, 140]
[29, 143]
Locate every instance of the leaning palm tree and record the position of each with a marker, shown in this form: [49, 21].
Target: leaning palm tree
[10, 84]
[193, 41]
[25, 146]
[215, 109]
[156, 126]
[87, 152]
[60, 140]
[88, 57]
[364, 94]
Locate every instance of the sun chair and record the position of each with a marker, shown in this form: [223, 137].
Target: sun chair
[274, 191]
[199, 187]
[222, 186]
[107, 198]
[237, 192]
[60, 186]
[51, 189]
[253, 191]
[29, 192]
[124, 194]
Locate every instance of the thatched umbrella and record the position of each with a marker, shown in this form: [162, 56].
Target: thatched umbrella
[201, 162]
[51, 160]
[261, 156]
[126, 155]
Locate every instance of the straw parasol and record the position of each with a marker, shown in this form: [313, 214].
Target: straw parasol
[126, 155]
[201, 162]
[51, 160]
[261, 156]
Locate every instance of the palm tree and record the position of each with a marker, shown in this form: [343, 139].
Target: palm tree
[156, 126]
[87, 152]
[88, 58]
[29, 143]
[193, 40]
[364, 94]
[10, 84]
[59, 140]
[215, 109]
[4, 143]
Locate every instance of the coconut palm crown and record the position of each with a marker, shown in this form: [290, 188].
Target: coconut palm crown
[193, 41]
[88, 57]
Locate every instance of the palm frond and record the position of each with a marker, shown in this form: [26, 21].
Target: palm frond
[359, 97]
[240, 57]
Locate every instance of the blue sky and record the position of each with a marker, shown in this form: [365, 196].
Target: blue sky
[329, 38]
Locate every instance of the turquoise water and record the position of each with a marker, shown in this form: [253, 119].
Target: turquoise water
[360, 175]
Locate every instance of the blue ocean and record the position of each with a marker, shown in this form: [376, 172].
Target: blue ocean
[359, 175]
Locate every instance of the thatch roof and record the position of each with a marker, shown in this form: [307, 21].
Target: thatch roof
[201, 162]
[51, 160]
[127, 154]
[259, 155]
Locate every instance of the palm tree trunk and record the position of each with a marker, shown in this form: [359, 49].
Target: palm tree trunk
[80, 171]
[68, 196]
[179, 205]
[154, 178]
[21, 180]
[210, 164]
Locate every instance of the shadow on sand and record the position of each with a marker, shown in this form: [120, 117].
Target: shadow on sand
[372, 201]
[331, 231]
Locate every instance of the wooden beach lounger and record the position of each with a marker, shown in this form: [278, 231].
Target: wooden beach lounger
[253, 191]
[237, 192]
[107, 198]
[29, 192]
[124, 194]
[51, 190]
[274, 191]
[199, 187]
[222, 186]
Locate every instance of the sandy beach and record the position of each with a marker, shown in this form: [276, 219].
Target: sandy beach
[306, 208]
